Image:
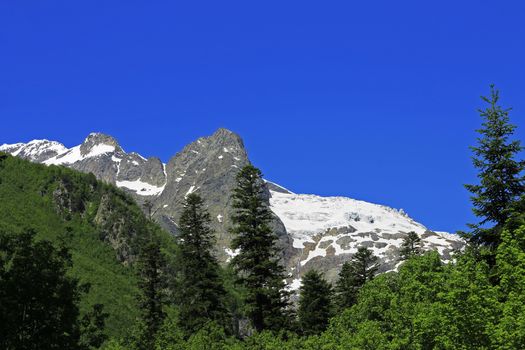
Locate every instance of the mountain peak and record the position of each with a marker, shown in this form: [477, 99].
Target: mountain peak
[226, 138]
[99, 140]
[35, 150]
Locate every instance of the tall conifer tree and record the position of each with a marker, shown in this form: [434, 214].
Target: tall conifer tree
[354, 274]
[201, 291]
[500, 174]
[315, 303]
[411, 246]
[38, 299]
[257, 263]
[152, 286]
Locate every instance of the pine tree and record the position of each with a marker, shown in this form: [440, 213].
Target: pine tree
[257, 264]
[411, 246]
[152, 285]
[500, 175]
[315, 307]
[354, 274]
[202, 297]
[38, 299]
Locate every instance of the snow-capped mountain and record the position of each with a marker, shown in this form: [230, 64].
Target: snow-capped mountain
[328, 230]
[315, 232]
[101, 155]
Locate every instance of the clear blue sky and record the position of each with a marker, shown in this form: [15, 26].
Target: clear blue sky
[375, 100]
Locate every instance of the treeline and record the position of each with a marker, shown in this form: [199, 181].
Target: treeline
[188, 301]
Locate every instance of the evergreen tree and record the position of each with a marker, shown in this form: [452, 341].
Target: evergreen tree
[354, 274]
[38, 300]
[315, 307]
[500, 175]
[257, 264]
[152, 286]
[201, 291]
[509, 333]
[92, 328]
[411, 246]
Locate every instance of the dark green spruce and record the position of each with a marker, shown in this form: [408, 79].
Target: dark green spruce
[501, 181]
[411, 246]
[315, 303]
[38, 300]
[152, 285]
[353, 275]
[201, 295]
[257, 262]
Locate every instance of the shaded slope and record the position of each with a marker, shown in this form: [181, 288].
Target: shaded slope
[101, 225]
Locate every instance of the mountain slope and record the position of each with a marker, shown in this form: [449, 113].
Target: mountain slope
[328, 230]
[101, 225]
[315, 232]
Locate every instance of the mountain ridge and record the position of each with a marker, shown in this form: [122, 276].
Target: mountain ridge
[314, 231]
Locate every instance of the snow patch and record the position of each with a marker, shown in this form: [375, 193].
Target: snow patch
[74, 155]
[100, 149]
[141, 188]
[305, 216]
[71, 156]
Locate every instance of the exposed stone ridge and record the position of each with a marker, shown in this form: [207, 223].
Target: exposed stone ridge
[96, 139]
[320, 233]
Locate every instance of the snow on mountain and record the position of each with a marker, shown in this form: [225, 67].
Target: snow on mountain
[306, 215]
[328, 230]
[101, 155]
[141, 188]
[35, 150]
[73, 155]
[315, 232]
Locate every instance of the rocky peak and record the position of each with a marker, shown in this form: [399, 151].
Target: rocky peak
[207, 166]
[36, 150]
[99, 142]
[227, 138]
[316, 232]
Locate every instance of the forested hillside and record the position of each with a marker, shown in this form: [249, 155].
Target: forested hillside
[100, 225]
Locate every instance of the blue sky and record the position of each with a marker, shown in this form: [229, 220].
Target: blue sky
[375, 100]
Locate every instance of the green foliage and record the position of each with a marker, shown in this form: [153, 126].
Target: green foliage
[425, 305]
[477, 301]
[38, 301]
[170, 336]
[93, 328]
[353, 275]
[510, 330]
[411, 246]
[201, 294]
[500, 175]
[257, 264]
[315, 307]
[152, 286]
[101, 226]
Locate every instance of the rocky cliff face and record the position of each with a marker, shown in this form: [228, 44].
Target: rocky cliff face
[315, 232]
